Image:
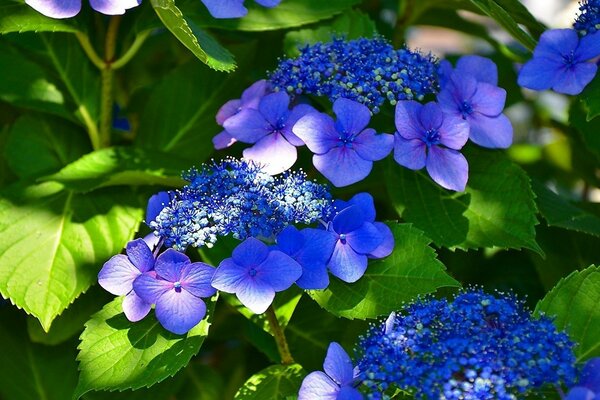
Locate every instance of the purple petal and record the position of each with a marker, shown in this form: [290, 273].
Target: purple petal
[455, 132]
[556, 42]
[448, 168]
[56, 8]
[196, 278]
[366, 203]
[338, 364]
[149, 288]
[580, 393]
[493, 133]
[364, 239]
[275, 107]
[117, 275]
[349, 219]
[481, 68]
[409, 153]
[252, 95]
[407, 119]
[229, 276]
[114, 7]
[140, 255]
[273, 152]
[169, 265]
[226, 8]
[317, 385]
[488, 100]
[250, 253]
[347, 264]
[342, 166]
[444, 72]
[589, 47]
[228, 110]
[135, 308]
[255, 294]
[539, 73]
[268, 3]
[297, 112]
[431, 116]
[156, 203]
[290, 241]
[279, 270]
[178, 312]
[371, 146]
[317, 130]
[387, 245]
[573, 80]
[590, 376]
[247, 126]
[349, 393]
[223, 140]
[352, 117]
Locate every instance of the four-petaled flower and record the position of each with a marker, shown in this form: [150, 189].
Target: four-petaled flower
[428, 138]
[345, 149]
[70, 8]
[233, 8]
[254, 273]
[561, 62]
[336, 383]
[589, 384]
[177, 288]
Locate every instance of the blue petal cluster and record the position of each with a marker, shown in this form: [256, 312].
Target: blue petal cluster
[236, 197]
[477, 347]
[588, 21]
[369, 71]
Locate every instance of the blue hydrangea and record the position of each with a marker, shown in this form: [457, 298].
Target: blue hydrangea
[236, 197]
[369, 71]
[588, 21]
[478, 346]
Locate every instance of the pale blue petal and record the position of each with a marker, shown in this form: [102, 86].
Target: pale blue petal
[178, 312]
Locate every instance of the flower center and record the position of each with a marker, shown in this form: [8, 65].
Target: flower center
[569, 59]
[465, 109]
[343, 238]
[177, 286]
[252, 272]
[432, 137]
[345, 140]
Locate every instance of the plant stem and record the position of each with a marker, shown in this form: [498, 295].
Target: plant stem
[133, 49]
[107, 93]
[282, 346]
[87, 47]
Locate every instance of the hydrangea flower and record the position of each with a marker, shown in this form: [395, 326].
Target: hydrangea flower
[344, 149]
[250, 99]
[478, 346]
[588, 21]
[367, 70]
[270, 129]
[118, 273]
[177, 288]
[336, 383]
[588, 387]
[254, 273]
[427, 137]
[233, 8]
[70, 8]
[470, 92]
[561, 62]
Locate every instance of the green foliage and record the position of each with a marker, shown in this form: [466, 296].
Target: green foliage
[591, 99]
[116, 354]
[276, 382]
[574, 303]
[412, 269]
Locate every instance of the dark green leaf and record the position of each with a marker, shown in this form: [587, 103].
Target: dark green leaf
[16, 16]
[276, 382]
[591, 99]
[412, 269]
[586, 125]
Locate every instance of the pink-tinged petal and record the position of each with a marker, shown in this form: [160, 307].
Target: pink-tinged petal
[455, 132]
[250, 253]
[387, 245]
[342, 166]
[347, 264]
[226, 8]
[409, 153]
[431, 116]
[273, 152]
[448, 168]
[255, 294]
[279, 270]
[317, 385]
[366, 203]
[540, 73]
[352, 117]
[573, 80]
[196, 278]
[488, 100]
[580, 393]
[338, 364]
[589, 47]
[349, 393]
[140, 255]
[407, 119]
[297, 112]
[223, 140]
[247, 126]
[229, 276]
[275, 107]
[268, 3]
[317, 131]
[169, 264]
[371, 146]
[364, 239]
[114, 7]
[149, 288]
[178, 312]
[556, 42]
[481, 68]
[227, 110]
[117, 275]
[56, 8]
[493, 133]
[252, 95]
[349, 219]
[135, 308]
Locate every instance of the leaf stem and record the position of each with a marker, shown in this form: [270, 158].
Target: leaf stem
[87, 47]
[133, 49]
[107, 93]
[282, 345]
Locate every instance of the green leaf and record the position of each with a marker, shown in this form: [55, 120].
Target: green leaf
[412, 269]
[587, 127]
[496, 210]
[200, 43]
[574, 302]
[16, 16]
[53, 241]
[38, 146]
[591, 99]
[121, 166]
[276, 382]
[116, 354]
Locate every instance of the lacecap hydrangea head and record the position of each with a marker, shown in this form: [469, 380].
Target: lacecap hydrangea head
[369, 71]
[588, 21]
[478, 346]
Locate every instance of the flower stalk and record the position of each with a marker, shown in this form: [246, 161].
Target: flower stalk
[282, 345]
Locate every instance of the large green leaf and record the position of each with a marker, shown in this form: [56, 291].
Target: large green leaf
[128, 166]
[200, 43]
[412, 269]
[591, 99]
[496, 210]
[585, 124]
[276, 382]
[116, 354]
[16, 16]
[53, 241]
[574, 303]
